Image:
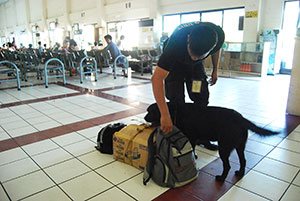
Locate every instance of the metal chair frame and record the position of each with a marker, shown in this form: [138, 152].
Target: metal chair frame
[14, 70]
[56, 68]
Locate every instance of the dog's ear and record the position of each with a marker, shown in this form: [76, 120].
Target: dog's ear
[153, 114]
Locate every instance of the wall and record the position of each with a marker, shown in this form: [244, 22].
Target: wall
[21, 14]
[180, 6]
[127, 10]
[271, 10]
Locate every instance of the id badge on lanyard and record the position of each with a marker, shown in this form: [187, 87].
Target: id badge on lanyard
[196, 88]
[199, 76]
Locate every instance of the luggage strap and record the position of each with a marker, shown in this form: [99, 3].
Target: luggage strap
[150, 162]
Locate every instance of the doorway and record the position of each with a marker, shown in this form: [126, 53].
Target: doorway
[287, 35]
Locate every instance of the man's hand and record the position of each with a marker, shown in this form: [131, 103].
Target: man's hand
[166, 124]
[214, 78]
[158, 78]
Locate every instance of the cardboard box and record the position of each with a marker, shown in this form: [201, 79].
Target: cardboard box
[130, 145]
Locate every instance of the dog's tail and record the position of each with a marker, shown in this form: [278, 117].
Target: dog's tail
[260, 131]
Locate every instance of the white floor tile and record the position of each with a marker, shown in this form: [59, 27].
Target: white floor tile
[81, 147]
[52, 157]
[40, 147]
[209, 152]
[139, 191]
[47, 125]
[27, 185]
[203, 159]
[285, 156]
[118, 172]
[290, 145]
[85, 186]
[3, 196]
[279, 170]
[17, 169]
[88, 115]
[14, 125]
[31, 115]
[294, 136]
[297, 180]
[22, 131]
[60, 115]
[238, 194]
[51, 110]
[69, 120]
[10, 120]
[66, 170]
[113, 194]
[5, 113]
[51, 194]
[38, 120]
[90, 132]
[292, 194]
[96, 159]
[4, 136]
[12, 155]
[263, 149]
[68, 139]
[263, 185]
[22, 109]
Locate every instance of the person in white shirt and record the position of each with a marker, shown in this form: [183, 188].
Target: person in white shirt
[120, 43]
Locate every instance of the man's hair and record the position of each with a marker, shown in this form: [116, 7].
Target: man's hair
[40, 43]
[202, 40]
[108, 37]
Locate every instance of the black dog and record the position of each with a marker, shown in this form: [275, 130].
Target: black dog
[226, 126]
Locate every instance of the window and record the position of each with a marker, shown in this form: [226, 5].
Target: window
[190, 17]
[212, 16]
[130, 30]
[170, 23]
[231, 20]
[231, 24]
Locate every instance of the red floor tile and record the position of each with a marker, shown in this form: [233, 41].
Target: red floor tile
[8, 144]
[216, 168]
[251, 158]
[207, 188]
[31, 138]
[37, 100]
[177, 194]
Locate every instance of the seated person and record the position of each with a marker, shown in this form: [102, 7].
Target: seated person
[113, 49]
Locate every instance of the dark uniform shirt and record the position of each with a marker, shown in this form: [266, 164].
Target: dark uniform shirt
[175, 54]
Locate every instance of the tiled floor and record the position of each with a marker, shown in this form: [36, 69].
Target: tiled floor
[47, 139]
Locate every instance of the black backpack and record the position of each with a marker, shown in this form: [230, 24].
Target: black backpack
[171, 162]
[105, 137]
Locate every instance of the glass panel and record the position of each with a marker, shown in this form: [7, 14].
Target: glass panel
[288, 33]
[231, 25]
[88, 33]
[234, 47]
[190, 17]
[130, 30]
[170, 23]
[214, 17]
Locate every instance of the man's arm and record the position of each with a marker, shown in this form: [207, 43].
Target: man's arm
[215, 58]
[158, 88]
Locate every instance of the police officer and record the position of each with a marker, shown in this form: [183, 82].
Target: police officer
[182, 62]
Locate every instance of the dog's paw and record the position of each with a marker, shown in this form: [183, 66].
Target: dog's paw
[240, 173]
[220, 178]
